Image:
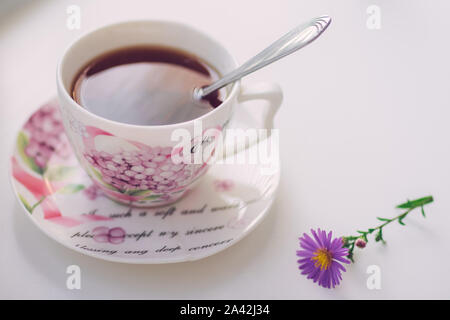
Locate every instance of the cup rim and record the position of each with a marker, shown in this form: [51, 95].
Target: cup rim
[59, 82]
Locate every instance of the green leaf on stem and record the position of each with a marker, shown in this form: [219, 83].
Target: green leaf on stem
[59, 173]
[34, 206]
[22, 143]
[26, 204]
[423, 212]
[379, 236]
[70, 188]
[401, 217]
[152, 197]
[350, 256]
[416, 203]
[349, 241]
[138, 193]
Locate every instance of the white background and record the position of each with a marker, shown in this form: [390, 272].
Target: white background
[364, 126]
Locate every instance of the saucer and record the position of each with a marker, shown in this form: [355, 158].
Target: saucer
[59, 197]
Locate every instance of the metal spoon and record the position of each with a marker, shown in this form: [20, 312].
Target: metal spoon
[289, 43]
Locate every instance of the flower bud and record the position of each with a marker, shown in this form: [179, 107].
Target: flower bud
[360, 243]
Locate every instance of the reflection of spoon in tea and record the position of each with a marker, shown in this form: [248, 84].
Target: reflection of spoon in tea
[289, 43]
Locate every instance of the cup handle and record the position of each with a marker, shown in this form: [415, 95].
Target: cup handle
[273, 95]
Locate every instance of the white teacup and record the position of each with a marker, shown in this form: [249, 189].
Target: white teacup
[132, 163]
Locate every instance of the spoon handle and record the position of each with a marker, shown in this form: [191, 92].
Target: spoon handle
[292, 41]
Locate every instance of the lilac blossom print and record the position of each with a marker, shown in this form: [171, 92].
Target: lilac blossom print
[105, 234]
[45, 138]
[92, 192]
[132, 172]
[150, 170]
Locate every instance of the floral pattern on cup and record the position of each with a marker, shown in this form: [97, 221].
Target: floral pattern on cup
[152, 169]
[142, 175]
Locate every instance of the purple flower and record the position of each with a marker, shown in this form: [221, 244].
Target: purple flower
[321, 257]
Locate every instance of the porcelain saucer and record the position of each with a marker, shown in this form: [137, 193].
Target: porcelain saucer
[59, 197]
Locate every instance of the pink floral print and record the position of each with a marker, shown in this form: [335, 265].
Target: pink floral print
[46, 131]
[92, 192]
[150, 169]
[223, 185]
[114, 235]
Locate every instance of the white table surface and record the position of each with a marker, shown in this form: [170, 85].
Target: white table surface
[364, 125]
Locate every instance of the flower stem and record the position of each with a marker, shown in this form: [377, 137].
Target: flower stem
[37, 203]
[350, 241]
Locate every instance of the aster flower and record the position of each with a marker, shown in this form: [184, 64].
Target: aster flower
[321, 258]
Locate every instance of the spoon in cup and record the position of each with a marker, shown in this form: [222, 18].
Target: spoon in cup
[294, 40]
